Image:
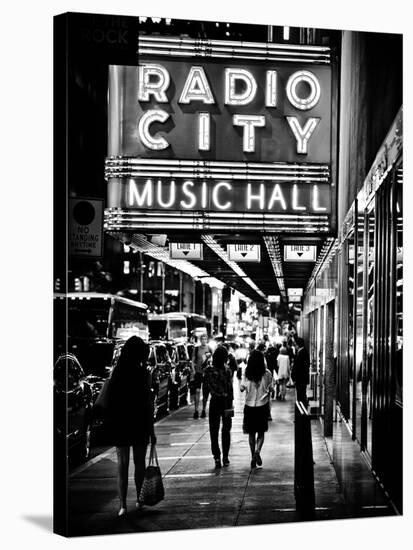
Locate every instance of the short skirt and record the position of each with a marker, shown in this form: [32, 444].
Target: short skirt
[255, 419]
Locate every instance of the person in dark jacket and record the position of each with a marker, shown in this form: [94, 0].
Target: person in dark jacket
[301, 372]
[130, 413]
[219, 379]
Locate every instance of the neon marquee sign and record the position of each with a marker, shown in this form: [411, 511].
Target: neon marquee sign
[203, 128]
[240, 89]
[230, 196]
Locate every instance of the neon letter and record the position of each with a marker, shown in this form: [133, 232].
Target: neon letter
[204, 194]
[196, 87]
[317, 208]
[215, 196]
[145, 121]
[203, 131]
[302, 135]
[259, 197]
[249, 122]
[271, 89]
[171, 195]
[189, 194]
[240, 98]
[295, 199]
[146, 87]
[291, 89]
[277, 196]
[136, 198]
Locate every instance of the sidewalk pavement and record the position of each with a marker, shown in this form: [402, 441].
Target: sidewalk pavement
[197, 495]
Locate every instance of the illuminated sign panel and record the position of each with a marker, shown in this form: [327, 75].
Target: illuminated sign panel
[221, 196]
[215, 135]
[176, 109]
[295, 292]
[300, 253]
[244, 252]
[185, 251]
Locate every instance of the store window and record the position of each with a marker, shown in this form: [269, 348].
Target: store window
[358, 355]
[370, 327]
[399, 290]
[350, 310]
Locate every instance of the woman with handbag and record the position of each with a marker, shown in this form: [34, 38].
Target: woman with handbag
[258, 385]
[219, 378]
[129, 414]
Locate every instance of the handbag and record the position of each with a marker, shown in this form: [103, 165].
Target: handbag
[152, 490]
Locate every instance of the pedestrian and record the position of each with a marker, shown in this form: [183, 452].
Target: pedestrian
[301, 372]
[271, 358]
[219, 378]
[284, 370]
[232, 362]
[258, 384]
[200, 356]
[130, 415]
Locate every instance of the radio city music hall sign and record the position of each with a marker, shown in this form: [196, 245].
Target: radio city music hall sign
[219, 136]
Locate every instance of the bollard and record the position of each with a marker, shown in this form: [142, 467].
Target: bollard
[303, 464]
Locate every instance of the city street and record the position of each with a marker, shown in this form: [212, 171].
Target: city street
[198, 496]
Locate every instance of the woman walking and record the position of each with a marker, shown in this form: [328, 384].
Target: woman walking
[258, 384]
[284, 370]
[130, 414]
[219, 378]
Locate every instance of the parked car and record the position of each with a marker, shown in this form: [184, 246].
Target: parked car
[73, 403]
[180, 374]
[160, 364]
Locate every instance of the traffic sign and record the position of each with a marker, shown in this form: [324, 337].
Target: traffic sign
[86, 227]
[185, 251]
[295, 292]
[244, 252]
[300, 253]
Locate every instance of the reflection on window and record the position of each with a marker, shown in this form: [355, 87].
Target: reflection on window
[370, 327]
[399, 290]
[351, 275]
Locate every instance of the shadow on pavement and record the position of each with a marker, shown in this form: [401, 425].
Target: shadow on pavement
[45, 522]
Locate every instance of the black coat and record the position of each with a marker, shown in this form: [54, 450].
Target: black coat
[129, 415]
[301, 368]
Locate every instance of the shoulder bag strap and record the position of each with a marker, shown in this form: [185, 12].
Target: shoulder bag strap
[153, 456]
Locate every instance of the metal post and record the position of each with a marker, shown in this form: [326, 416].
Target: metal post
[303, 464]
[193, 303]
[203, 299]
[270, 33]
[329, 386]
[163, 287]
[181, 291]
[141, 266]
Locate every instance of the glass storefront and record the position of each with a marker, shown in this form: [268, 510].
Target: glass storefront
[368, 293]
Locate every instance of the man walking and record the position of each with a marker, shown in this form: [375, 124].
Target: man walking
[200, 357]
[301, 372]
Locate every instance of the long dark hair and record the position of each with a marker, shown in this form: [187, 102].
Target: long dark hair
[131, 366]
[220, 357]
[255, 367]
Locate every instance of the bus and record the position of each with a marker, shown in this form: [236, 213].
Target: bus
[177, 326]
[96, 321]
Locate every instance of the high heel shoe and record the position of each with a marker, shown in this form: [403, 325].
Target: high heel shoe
[122, 511]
